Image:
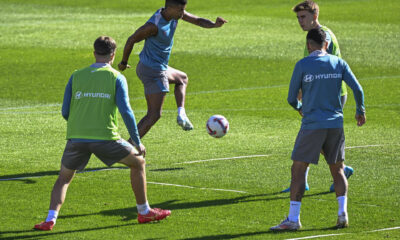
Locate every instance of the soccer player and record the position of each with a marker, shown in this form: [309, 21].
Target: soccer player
[319, 77]
[153, 70]
[307, 15]
[90, 104]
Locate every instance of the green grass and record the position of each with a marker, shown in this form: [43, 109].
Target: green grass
[241, 71]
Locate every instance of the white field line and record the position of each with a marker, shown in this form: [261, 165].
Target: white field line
[202, 188]
[338, 234]
[365, 146]
[220, 159]
[318, 236]
[265, 155]
[385, 229]
[157, 183]
[196, 93]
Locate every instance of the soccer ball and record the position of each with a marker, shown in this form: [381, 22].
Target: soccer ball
[217, 126]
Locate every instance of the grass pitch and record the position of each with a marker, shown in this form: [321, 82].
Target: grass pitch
[241, 71]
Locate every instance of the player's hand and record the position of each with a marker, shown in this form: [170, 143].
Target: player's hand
[219, 22]
[361, 119]
[141, 149]
[301, 113]
[122, 66]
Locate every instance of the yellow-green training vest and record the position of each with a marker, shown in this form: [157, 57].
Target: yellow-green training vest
[93, 110]
[333, 49]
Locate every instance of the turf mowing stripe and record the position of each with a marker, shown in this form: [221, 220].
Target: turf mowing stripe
[219, 159]
[202, 188]
[196, 93]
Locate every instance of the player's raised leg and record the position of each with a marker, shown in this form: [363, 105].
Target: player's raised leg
[137, 165]
[181, 80]
[154, 110]
[57, 198]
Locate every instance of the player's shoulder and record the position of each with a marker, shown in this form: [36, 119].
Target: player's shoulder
[81, 70]
[156, 17]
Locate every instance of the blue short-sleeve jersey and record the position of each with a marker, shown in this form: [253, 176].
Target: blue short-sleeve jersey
[157, 49]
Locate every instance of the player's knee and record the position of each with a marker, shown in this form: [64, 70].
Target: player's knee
[185, 79]
[154, 117]
[139, 163]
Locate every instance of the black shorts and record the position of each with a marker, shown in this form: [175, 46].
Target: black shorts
[77, 154]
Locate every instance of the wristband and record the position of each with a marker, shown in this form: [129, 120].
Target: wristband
[124, 63]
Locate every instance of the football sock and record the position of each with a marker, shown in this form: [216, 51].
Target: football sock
[342, 200]
[143, 209]
[181, 111]
[308, 168]
[52, 216]
[294, 211]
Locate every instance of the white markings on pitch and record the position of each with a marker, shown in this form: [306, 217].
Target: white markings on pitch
[365, 146]
[318, 236]
[339, 234]
[202, 188]
[220, 159]
[156, 183]
[385, 229]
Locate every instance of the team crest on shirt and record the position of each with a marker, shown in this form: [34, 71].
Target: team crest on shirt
[78, 95]
[308, 78]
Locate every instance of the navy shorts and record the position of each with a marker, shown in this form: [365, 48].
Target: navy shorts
[77, 154]
[309, 144]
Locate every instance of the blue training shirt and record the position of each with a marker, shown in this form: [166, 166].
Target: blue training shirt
[157, 49]
[121, 99]
[319, 76]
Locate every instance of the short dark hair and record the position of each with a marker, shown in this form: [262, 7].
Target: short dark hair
[175, 2]
[307, 5]
[104, 45]
[317, 35]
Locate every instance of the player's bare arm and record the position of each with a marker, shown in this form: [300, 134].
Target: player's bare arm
[202, 22]
[145, 31]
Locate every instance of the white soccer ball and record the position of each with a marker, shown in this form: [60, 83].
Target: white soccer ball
[217, 126]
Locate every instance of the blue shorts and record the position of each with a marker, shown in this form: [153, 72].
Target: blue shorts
[154, 81]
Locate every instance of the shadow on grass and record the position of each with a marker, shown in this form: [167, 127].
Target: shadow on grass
[26, 177]
[55, 233]
[130, 213]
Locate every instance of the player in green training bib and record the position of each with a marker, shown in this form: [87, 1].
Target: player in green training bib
[307, 15]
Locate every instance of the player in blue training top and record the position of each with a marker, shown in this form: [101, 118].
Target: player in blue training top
[153, 70]
[319, 77]
[307, 14]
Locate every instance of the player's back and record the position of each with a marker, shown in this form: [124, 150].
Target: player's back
[321, 87]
